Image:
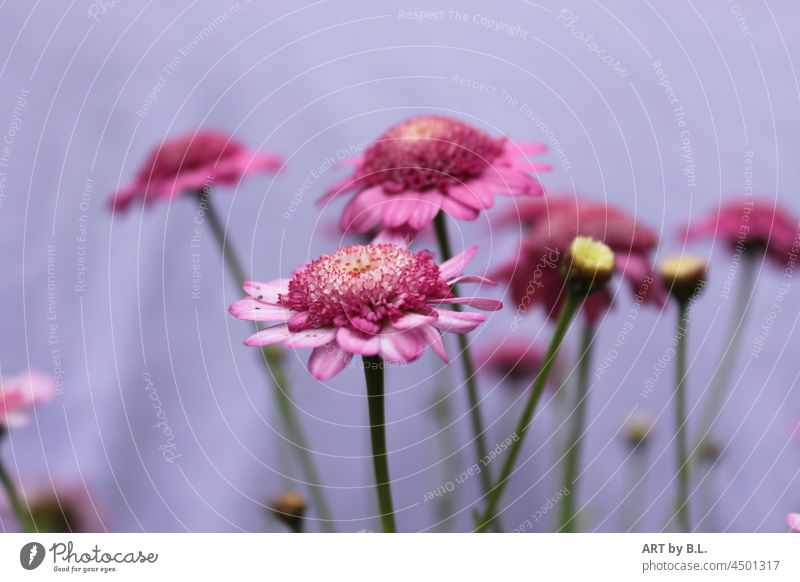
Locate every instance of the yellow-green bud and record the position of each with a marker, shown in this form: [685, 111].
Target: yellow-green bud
[683, 276]
[588, 265]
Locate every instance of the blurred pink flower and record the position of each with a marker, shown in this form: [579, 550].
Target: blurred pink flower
[20, 393]
[751, 224]
[793, 521]
[431, 163]
[378, 299]
[59, 509]
[191, 163]
[514, 359]
[551, 225]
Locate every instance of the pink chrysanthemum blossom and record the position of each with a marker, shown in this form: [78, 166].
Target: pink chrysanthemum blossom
[514, 359]
[748, 224]
[793, 521]
[378, 299]
[20, 393]
[431, 163]
[192, 163]
[551, 224]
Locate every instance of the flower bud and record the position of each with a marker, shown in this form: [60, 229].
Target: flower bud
[637, 430]
[588, 265]
[290, 508]
[683, 276]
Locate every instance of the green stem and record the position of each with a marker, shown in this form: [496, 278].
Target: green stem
[273, 365]
[478, 432]
[722, 378]
[571, 306]
[637, 473]
[682, 497]
[373, 375]
[568, 521]
[23, 516]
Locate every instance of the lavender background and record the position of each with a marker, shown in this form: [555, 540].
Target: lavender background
[310, 80]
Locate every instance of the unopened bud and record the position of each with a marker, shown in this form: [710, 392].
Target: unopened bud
[588, 265]
[290, 508]
[683, 276]
[637, 430]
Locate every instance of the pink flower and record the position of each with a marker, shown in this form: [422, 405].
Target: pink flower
[431, 163]
[378, 299]
[793, 521]
[552, 223]
[20, 393]
[59, 509]
[750, 224]
[514, 360]
[192, 163]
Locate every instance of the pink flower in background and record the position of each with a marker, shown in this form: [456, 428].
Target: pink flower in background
[431, 163]
[793, 521]
[514, 359]
[551, 224]
[20, 393]
[378, 299]
[191, 163]
[750, 224]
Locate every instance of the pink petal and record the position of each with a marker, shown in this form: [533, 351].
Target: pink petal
[483, 303]
[395, 236]
[467, 196]
[253, 310]
[457, 321]
[455, 266]
[269, 336]
[458, 210]
[401, 346]
[527, 148]
[429, 206]
[342, 187]
[412, 320]
[434, 339]
[310, 338]
[793, 521]
[399, 209]
[267, 292]
[327, 361]
[363, 212]
[357, 342]
[471, 279]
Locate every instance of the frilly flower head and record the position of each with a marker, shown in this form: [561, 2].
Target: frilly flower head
[550, 225]
[751, 225]
[378, 299]
[20, 393]
[192, 163]
[683, 276]
[431, 163]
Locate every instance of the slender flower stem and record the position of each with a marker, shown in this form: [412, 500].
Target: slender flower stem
[567, 313]
[373, 375]
[722, 378]
[568, 516]
[22, 513]
[273, 366]
[682, 498]
[634, 502]
[478, 431]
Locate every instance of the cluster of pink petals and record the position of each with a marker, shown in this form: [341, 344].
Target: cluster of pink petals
[373, 300]
[431, 163]
[192, 163]
[20, 393]
[748, 223]
[550, 224]
[793, 521]
[513, 360]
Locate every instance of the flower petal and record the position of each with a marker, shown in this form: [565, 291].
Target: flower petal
[327, 361]
[401, 346]
[412, 320]
[455, 266]
[458, 210]
[429, 206]
[434, 339]
[267, 292]
[357, 342]
[269, 336]
[793, 521]
[482, 303]
[363, 212]
[471, 279]
[458, 321]
[253, 310]
[311, 338]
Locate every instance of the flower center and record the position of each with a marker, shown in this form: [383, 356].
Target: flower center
[429, 152]
[363, 286]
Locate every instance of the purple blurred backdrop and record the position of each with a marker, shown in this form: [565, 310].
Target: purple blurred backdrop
[87, 88]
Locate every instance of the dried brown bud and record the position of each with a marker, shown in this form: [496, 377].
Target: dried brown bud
[290, 508]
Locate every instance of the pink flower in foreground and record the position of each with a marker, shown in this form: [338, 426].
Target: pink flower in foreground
[514, 360]
[553, 222]
[191, 163]
[431, 163]
[379, 299]
[748, 224]
[793, 521]
[20, 393]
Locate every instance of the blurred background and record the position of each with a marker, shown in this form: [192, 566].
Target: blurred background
[665, 110]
